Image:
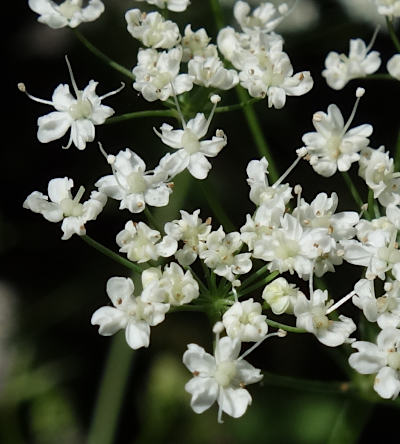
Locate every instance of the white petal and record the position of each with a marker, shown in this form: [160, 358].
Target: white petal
[82, 131]
[199, 166]
[387, 383]
[53, 126]
[59, 189]
[234, 401]
[204, 393]
[197, 359]
[137, 334]
[109, 319]
[120, 290]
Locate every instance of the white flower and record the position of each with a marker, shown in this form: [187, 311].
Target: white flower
[151, 29]
[219, 254]
[134, 314]
[62, 206]
[312, 316]
[291, 248]
[192, 231]
[333, 147]
[281, 296]
[80, 114]
[391, 8]
[382, 358]
[192, 153]
[245, 322]
[179, 288]
[261, 193]
[320, 214]
[68, 13]
[172, 5]
[220, 378]
[133, 186]
[393, 66]
[268, 72]
[377, 169]
[157, 74]
[142, 244]
[265, 18]
[197, 44]
[384, 310]
[210, 72]
[340, 69]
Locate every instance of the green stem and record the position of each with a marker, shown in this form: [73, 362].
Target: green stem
[107, 252]
[371, 204]
[203, 288]
[256, 131]
[379, 76]
[216, 207]
[217, 13]
[348, 426]
[390, 27]
[140, 114]
[236, 106]
[352, 188]
[175, 309]
[285, 327]
[254, 276]
[111, 392]
[104, 57]
[309, 385]
[259, 284]
[152, 220]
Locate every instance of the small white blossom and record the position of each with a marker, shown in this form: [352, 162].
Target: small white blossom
[340, 69]
[142, 244]
[382, 358]
[333, 147]
[157, 74]
[79, 114]
[264, 18]
[312, 316]
[134, 314]
[291, 248]
[377, 169]
[219, 255]
[68, 13]
[192, 153]
[133, 186]
[245, 322]
[192, 231]
[210, 72]
[220, 378]
[172, 5]
[390, 8]
[197, 44]
[151, 29]
[179, 288]
[261, 193]
[393, 66]
[63, 207]
[281, 296]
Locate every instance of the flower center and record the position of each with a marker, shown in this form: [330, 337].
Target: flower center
[389, 254]
[286, 249]
[69, 8]
[225, 372]
[71, 208]
[393, 360]
[82, 109]
[320, 320]
[190, 141]
[333, 146]
[162, 79]
[136, 182]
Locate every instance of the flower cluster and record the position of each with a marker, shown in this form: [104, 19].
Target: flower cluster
[282, 244]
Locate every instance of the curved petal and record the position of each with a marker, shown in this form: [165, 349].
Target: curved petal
[137, 334]
[82, 131]
[109, 320]
[59, 189]
[53, 126]
[234, 401]
[199, 166]
[387, 383]
[204, 393]
[198, 360]
[120, 290]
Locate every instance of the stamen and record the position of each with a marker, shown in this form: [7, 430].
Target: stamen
[69, 142]
[178, 108]
[371, 43]
[300, 154]
[219, 419]
[71, 74]
[235, 294]
[217, 329]
[109, 157]
[341, 302]
[214, 99]
[22, 88]
[116, 91]
[359, 93]
[298, 190]
[253, 347]
[364, 208]
[311, 282]
[79, 194]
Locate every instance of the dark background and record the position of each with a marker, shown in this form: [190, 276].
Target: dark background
[51, 358]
